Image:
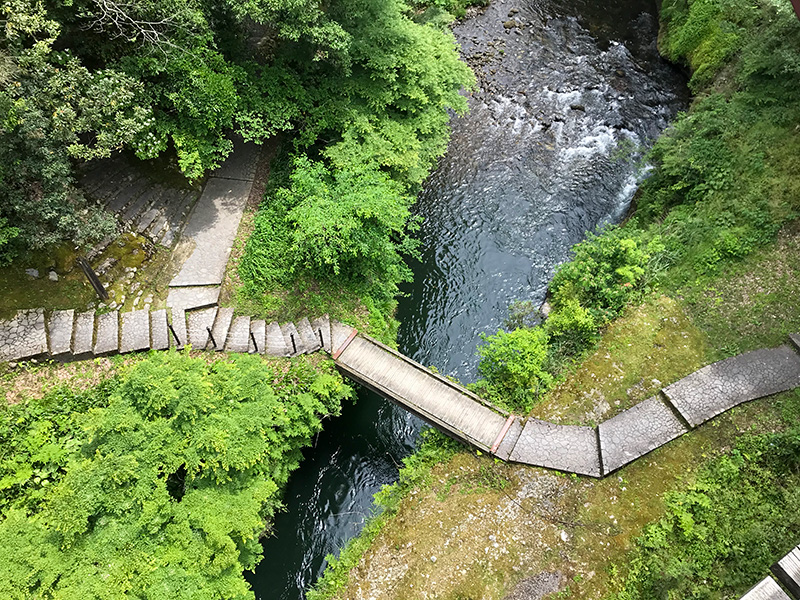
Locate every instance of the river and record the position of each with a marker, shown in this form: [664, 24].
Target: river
[571, 93]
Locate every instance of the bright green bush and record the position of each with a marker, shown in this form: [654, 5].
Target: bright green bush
[606, 271]
[571, 327]
[162, 489]
[513, 365]
[350, 221]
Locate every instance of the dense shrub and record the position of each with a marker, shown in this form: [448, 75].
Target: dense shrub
[161, 484]
[513, 365]
[606, 271]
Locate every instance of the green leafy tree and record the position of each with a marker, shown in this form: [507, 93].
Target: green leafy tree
[172, 482]
[350, 220]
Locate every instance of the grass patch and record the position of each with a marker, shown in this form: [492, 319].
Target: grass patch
[651, 345]
[754, 303]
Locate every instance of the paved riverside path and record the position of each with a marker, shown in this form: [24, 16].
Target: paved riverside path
[211, 230]
[594, 451]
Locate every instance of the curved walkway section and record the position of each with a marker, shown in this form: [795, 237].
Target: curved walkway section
[594, 451]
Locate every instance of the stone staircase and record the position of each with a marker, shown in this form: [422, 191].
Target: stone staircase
[65, 334]
[142, 205]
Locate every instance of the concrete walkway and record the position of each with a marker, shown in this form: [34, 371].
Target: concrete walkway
[594, 451]
[211, 230]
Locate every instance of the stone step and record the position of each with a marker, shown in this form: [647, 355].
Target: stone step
[637, 431]
[159, 331]
[97, 170]
[238, 335]
[106, 338]
[102, 183]
[323, 325]
[141, 204]
[219, 332]
[60, 326]
[128, 194]
[276, 343]
[135, 335]
[158, 224]
[199, 322]
[178, 331]
[570, 448]
[24, 336]
[176, 219]
[191, 297]
[83, 338]
[722, 385]
[258, 336]
[294, 343]
[146, 219]
[310, 341]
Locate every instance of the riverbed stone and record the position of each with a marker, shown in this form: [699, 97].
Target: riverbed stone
[159, 332]
[197, 326]
[83, 339]
[135, 335]
[569, 448]
[323, 325]
[238, 335]
[722, 385]
[219, 332]
[107, 335]
[310, 341]
[59, 328]
[637, 431]
[23, 336]
[178, 338]
[275, 342]
[258, 335]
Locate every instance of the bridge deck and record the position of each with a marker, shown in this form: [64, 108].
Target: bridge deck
[432, 397]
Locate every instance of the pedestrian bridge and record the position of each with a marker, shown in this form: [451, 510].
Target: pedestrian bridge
[593, 451]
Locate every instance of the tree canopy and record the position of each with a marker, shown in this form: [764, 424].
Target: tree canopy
[359, 81]
[157, 484]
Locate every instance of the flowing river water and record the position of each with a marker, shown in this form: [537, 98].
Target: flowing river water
[570, 94]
